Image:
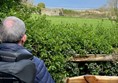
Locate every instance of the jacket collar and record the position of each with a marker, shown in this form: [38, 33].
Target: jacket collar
[10, 47]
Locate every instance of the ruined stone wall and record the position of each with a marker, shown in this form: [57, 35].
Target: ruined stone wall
[51, 12]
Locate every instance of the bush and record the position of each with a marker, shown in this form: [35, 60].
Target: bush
[92, 68]
[55, 43]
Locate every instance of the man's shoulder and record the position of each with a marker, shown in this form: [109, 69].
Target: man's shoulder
[37, 61]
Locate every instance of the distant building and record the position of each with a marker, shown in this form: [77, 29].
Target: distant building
[51, 12]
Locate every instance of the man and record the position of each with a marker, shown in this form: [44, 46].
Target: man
[13, 37]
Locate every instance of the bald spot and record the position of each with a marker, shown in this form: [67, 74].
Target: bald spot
[8, 23]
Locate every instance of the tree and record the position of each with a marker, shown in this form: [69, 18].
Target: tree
[6, 5]
[41, 5]
[14, 8]
[113, 9]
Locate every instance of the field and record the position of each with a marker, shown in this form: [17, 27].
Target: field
[80, 21]
[101, 25]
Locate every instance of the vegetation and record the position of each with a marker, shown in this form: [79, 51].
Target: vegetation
[55, 39]
[80, 21]
[113, 7]
[41, 5]
[68, 12]
[56, 42]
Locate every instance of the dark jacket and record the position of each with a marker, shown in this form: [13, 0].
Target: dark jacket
[42, 74]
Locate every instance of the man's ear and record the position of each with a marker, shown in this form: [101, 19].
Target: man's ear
[24, 38]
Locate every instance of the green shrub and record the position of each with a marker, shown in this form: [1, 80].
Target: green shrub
[55, 43]
[93, 68]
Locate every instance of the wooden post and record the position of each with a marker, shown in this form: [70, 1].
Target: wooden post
[93, 79]
[90, 79]
[79, 79]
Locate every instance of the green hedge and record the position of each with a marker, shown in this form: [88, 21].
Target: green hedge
[55, 43]
[92, 68]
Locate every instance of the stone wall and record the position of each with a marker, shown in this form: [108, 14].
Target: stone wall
[52, 12]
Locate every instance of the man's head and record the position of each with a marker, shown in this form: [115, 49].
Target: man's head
[12, 30]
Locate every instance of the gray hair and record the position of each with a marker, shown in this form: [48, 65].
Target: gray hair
[12, 30]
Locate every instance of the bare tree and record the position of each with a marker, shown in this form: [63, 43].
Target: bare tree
[113, 9]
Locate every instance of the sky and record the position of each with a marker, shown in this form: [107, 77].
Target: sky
[72, 4]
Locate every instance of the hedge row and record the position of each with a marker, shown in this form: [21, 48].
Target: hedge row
[55, 43]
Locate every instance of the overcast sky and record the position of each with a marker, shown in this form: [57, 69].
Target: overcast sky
[74, 4]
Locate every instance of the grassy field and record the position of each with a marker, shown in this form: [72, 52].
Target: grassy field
[80, 21]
